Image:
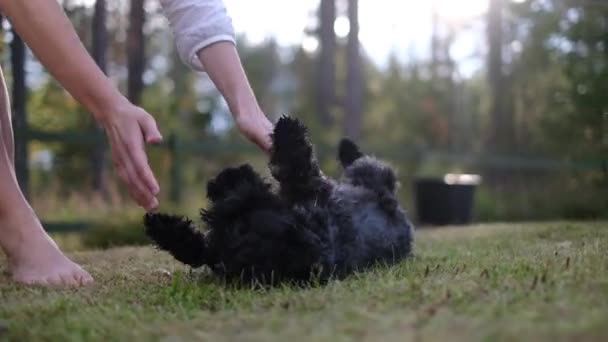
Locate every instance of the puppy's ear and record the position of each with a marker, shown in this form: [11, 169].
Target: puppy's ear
[348, 152]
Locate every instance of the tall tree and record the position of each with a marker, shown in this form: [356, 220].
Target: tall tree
[99, 48]
[501, 130]
[354, 78]
[586, 65]
[136, 51]
[326, 78]
[434, 41]
[18, 51]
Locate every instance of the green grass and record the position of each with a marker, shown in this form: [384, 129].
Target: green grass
[490, 282]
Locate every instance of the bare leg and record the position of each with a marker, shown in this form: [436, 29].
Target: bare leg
[33, 258]
[6, 128]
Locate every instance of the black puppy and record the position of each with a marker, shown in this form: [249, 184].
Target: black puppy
[312, 228]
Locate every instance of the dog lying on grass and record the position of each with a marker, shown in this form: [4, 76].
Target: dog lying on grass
[313, 227]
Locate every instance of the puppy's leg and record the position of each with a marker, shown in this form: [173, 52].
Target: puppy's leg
[177, 236]
[348, 152]
[293, 162]
[235, 192]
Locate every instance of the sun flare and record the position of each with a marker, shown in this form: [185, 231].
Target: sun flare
[460, 10]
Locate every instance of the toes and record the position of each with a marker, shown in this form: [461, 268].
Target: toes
[77, 277]
[68, 280]
[57, 280]
[84, 278]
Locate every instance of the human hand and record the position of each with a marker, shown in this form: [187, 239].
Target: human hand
[129, 128]
[257, 129]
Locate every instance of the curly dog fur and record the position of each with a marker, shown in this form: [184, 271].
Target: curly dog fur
[312, 227]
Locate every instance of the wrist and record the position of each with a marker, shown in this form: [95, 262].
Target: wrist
[223, 65]
[246, 107]
[106, 105]
[241, 100]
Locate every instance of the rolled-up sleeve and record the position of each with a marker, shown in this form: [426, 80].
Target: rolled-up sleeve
[197, 24]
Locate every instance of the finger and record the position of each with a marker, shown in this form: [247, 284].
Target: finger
[263, 143]
[144, 200]
[125, 171]
[267, 143]
[264, 137]
[124, 176]
[257, 135]
[148, 205]
[150, 129]
[139, 159]
[138, 190]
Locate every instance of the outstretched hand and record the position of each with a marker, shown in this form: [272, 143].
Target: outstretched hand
[129, 128]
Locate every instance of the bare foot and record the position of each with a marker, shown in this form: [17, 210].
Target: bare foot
[35, 259]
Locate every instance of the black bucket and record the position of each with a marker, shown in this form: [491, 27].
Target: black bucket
[445, 201]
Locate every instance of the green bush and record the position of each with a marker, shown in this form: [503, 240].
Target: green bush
[546, 199]
[117, 232]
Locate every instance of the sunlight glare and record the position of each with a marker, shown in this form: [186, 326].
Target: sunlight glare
[310, 44]
[463, 10]
[342, 27]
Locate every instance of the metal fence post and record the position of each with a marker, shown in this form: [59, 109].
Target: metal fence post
[176, 169]
[19, 101]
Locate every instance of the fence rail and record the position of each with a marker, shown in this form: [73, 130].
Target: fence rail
[178, 148]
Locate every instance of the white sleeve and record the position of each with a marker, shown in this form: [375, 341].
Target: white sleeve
[197, 24]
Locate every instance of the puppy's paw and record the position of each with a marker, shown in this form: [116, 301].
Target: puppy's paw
[289, 132]
[178, 236]
[348, 152]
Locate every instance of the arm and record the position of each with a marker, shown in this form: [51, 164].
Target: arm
[54, 41]
[205, 41]
[224, 67]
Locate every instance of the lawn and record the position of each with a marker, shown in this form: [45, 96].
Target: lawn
[544, 281]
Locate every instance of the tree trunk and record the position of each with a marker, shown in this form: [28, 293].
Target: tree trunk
[135, 51]
[354, 79]
[501, 130]
[19, 102]
[99, 47]
[434, 42]
[327, 61]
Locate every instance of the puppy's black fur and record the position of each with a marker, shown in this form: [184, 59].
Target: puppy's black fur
[312, 228]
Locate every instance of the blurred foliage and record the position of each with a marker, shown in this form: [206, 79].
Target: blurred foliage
[123, 232]
[556, 65]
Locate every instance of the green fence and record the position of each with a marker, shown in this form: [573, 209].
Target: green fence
[178, 148]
